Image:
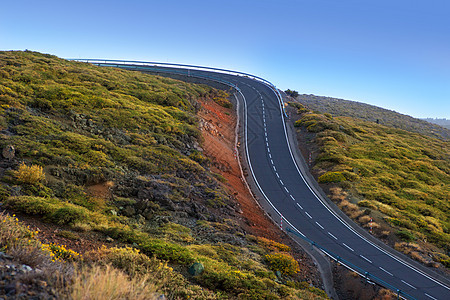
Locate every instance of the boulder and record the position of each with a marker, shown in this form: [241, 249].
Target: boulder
[196, 269]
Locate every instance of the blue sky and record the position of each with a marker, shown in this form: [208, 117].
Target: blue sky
[394, 54]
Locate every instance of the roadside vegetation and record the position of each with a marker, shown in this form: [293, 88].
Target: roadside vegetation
[394, 181]
[366, 112]
[115, 156]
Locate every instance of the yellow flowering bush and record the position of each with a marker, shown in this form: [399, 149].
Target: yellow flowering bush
[13, 232]
[283, 262]
[60, 252]
[272, 245]
[29, 174]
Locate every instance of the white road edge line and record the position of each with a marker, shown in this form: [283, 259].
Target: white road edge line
[348, 247]
[408, 284]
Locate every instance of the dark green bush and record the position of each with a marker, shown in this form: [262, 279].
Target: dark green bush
[405, 235]
[68, 215]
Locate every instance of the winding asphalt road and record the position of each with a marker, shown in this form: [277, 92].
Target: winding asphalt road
[283, 186]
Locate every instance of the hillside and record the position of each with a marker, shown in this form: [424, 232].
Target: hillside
[441, 122]
[106, 192]
[346, 108]
[397, 178]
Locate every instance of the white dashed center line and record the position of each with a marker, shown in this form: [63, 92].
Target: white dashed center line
[430, 296]
[270, 155]
[286, 190]
[386, 271]
[348, 247]
[365, 258]
[409, 284]
[281, 182]
[299, 206]
[292, 197]
[332, 235]
[271, 161]
[308, 214]
[319, 225]
[276, 173]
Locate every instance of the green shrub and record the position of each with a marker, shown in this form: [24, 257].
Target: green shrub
[29, 174]
[331, 177]
[405, 235]
[68, 215]
[283, 262]
[167, 251]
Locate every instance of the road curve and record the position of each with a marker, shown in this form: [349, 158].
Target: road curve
[285, 190]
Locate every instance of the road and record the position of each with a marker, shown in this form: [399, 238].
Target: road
[277, 175]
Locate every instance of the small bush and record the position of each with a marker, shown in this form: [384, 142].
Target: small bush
[29, 174]
[283, 262]
[331, 177]
[406, 235]
[272, 245]
[60, 252]
[68, 215]
[167, 251]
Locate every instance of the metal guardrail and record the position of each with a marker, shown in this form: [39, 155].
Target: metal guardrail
[150, 66]
[363, 273]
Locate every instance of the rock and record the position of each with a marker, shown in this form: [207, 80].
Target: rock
[3, 255]
[26, 268]
[129, 211]
[278, 274]
[196, 269]
[9, 152]
[109, 239]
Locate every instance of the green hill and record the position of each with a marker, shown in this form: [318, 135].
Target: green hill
[346, 108]
[399, 178]
[67, 128]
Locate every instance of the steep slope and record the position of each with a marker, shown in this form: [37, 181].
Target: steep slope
[98, 156]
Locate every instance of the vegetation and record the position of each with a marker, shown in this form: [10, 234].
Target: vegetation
[398, 177]
[115, 155]
[366, 112]
[293, 94]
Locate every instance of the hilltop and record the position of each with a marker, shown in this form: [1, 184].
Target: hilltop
[106, 191]
[441, 122]
[340, 107]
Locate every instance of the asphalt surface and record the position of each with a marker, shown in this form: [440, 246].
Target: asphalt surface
[281, 183]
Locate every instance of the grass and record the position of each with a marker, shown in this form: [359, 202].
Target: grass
[403, 175]
[77, 128]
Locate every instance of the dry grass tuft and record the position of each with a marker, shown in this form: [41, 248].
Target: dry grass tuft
[29, 174]
[109, 283]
